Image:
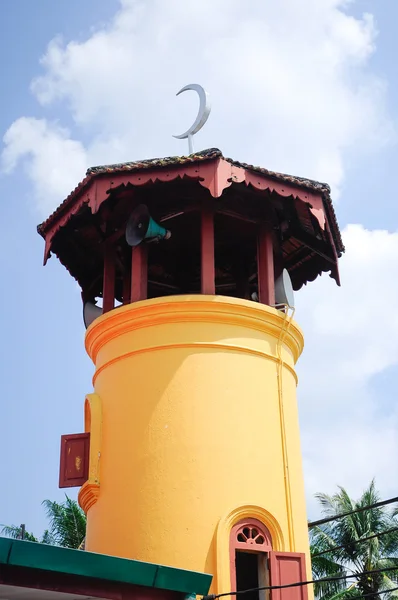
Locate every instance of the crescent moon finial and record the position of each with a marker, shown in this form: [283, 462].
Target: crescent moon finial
[202, 116]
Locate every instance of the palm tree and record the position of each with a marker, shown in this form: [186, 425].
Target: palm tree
[67, 522]
[336, 549]
[67, 525]
[18, 533]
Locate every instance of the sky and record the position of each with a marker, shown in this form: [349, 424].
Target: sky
[308, 88]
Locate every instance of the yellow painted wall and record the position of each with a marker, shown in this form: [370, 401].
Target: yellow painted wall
[195, 431]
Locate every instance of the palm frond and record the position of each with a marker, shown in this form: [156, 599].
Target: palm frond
[47, 538]
[341, 538]
[67, 522]
[15, 533]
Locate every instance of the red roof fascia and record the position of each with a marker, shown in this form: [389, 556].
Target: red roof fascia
[214, 174]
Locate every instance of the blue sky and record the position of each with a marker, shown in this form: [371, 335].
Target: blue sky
[44, 369]
[312, 92]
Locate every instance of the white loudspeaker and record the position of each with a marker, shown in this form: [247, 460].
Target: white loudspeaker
[90, 313]
[254, 297]
[284, 290]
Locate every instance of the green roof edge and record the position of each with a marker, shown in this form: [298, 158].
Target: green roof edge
[42, 557]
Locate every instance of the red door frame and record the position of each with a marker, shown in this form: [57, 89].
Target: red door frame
[247, 546]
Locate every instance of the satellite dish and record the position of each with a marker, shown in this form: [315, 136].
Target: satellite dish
[141, 226]
[90, 313]
[284, 290]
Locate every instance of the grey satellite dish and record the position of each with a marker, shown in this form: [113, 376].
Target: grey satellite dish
[90, 313]
[284, 290]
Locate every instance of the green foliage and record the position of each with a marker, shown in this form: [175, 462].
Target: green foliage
[16, 533]
[67, 525]
[347, 556]
[67, 522]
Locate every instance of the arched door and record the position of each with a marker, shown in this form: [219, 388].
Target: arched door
[250, 544]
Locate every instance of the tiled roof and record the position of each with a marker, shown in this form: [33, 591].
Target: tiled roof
[210, 153]
[204, 155]
[150, 163]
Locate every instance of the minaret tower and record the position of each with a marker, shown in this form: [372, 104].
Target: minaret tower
[191, 454]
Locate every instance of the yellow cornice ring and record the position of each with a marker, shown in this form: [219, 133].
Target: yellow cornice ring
[190, 309]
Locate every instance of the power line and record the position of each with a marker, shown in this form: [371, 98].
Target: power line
[300, 583]
[394, 589]
[351, 512]
[365, 539]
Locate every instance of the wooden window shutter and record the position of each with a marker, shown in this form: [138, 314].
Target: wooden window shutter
[74, 465]
[285, 568]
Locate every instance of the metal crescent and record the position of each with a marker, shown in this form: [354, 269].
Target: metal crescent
[203, 113]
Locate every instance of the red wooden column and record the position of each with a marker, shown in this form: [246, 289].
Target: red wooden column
[139, 273]
[265, 266]
[108, 290]
[208, 279]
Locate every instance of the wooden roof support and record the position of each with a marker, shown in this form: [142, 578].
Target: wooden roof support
[139, 273]
[265, 266]
[208, 282]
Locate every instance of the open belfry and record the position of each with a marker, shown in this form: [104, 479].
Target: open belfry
[190, 457]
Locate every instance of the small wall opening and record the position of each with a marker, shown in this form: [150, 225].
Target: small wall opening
[235, 257]
[216, 247]
[174, 266]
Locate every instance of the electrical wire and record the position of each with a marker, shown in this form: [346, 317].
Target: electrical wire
[394, 589]
[300, 583]
[351, 512]
[365, 539]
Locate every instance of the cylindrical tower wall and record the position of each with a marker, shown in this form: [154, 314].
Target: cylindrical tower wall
[199, 419]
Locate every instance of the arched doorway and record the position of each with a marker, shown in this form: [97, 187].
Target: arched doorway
[250, 544]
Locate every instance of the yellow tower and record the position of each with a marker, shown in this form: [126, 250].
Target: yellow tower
[194, 455]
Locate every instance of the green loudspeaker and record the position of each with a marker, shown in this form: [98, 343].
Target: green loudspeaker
[141, 226]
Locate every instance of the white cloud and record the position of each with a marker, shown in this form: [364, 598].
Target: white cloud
[349, 434]
[54, 162]
[289, 83]
[291, 90]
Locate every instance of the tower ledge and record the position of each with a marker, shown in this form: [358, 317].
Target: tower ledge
[193, 310]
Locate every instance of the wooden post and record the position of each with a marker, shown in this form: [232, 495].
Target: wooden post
[108, 290]
[208, 280]
[265, 266]
[139, 273]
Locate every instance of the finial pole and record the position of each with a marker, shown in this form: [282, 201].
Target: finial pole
[190, 143]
